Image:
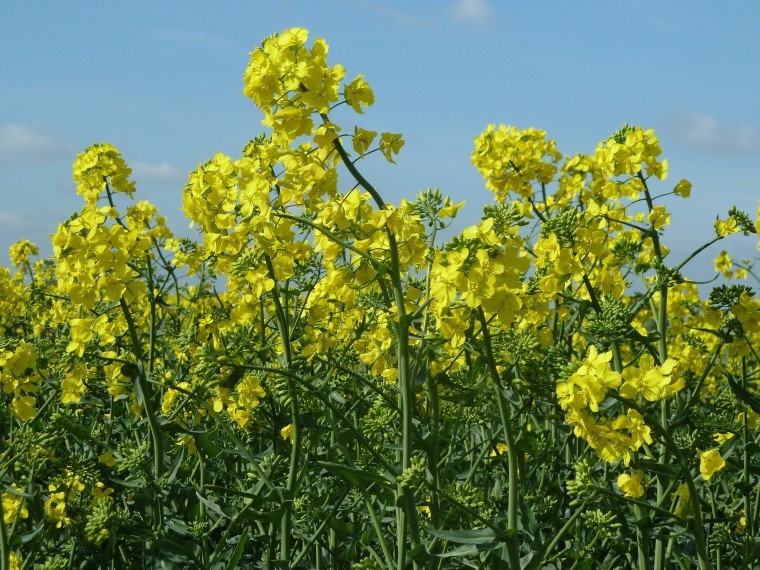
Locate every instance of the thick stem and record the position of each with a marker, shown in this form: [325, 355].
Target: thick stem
[512, 461]
[5, 553]
[150, 413]
[696, 508]
[406, 516]
[295, 452]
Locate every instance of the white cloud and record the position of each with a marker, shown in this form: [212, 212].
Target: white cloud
[12, 219]
[29, 143]
[163, 172]
[707, 134]
[387, 12]
[477, 12]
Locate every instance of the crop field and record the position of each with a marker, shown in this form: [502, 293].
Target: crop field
[320, 380]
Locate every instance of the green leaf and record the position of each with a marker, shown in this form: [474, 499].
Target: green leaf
[357, 477]
[470, 549]
[743, 395]
[18, 539]
[468, 536]
[238, 553]
[213, 507]
[418, 554]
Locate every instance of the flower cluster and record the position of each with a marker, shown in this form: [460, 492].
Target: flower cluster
[318, 363]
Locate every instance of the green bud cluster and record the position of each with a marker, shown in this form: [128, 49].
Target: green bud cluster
[53, 563]
[505, 217]
[249, 258]
[464, 494]
[186, 337]
[271, 464]
[519, 344]
[99, 520]
[9, 341]
[307, 510]
[545, 507]
[133, 457]
[427, 205]
[366, 564]
[413, 476]
[610, 323]
[563, 225]
[625, 250]
[721, 536]
[601, 523]
[583, 485]
[724, 297]
[619, 135]
[742, 220]
[199, 529]
[569, 368]
[695, 342]
[380, 423]
[63, 420]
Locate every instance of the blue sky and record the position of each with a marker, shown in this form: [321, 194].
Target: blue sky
[162, 82]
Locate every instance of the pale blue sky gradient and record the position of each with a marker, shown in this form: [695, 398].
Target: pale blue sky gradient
[162, 82]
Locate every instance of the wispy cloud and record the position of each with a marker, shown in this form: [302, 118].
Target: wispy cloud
[194, 37]
[15, 220]
[708, 134]
[473, 12]
[384, 11]
[21, 143]
[163, 172]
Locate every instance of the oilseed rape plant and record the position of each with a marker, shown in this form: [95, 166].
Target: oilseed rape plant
[319, 380]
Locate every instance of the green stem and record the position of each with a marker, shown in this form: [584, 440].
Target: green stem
[150, 414]
[696, 508]
[295, 452]
[370, 509]
[5, 553]
[513, 480]
[750, 523]
[662, 321]
[406, 515]
[202, 507]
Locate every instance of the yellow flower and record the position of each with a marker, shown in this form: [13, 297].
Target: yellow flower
[747, 311]
[753, 419]
[683, 497]
[24, 407]
[710, 462]
[722, 438]
[100, 492]
[683, 189]
[659, 217]
[499, 449]
[20, 251]
[726, 227]
[362, 140]
[107, 458]
[287, 433]
[13, 505]
[390, 144]
[358, 93]
[631, 484]
[723, 263]
[741, 524]
[249, 392]
[55, 508]
[652, 382]
[189, 442]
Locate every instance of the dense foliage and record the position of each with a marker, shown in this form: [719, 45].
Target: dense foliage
[318, 383]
